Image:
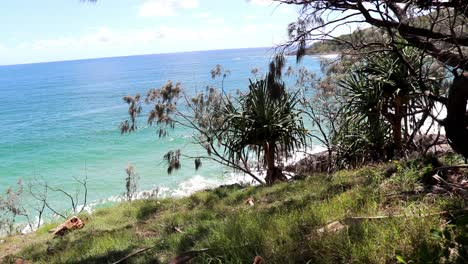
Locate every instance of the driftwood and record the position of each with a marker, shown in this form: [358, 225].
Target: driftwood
[71, 224]
[249, 201]
[332, 227]
[258, 260]
[178, 229]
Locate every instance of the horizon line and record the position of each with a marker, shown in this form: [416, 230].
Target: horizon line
[132, 55]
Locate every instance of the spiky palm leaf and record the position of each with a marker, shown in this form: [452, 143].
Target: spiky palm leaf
[257, 119]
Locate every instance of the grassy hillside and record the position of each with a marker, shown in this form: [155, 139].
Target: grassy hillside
[357, 37]
[372, 34]
[287, 223]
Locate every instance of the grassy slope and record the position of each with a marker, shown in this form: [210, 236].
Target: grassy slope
[281, 226]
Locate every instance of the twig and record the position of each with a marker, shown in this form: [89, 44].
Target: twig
[451, 167]
[455, 187]
[134, 254]
[404, 215]
[178, 230]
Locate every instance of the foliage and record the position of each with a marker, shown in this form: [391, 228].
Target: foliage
[131, 182]
[452, 242]
[264, 123]
[381, 94]
[264, 119]
[37, 199]
[318, 101]
[433, 29]
[347, 43]
[373, 107]
[134, 110]
[11, 206]
[259, 119]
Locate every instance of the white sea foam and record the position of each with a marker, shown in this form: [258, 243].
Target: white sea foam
[440, 112]
[303, 153]
[198, 182]
[329, 56]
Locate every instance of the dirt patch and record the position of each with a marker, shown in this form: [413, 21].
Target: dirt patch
[13, 245]
[142, 232]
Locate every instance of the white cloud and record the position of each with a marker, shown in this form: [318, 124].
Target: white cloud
[3, 48]
[287, 10]
[261, 2]
[110, 42]
[274, 7]
[250, 17]
[105, 35]
[102, 37]
[161, 8]
[188, 4]
[201, 15]
[194, 34]
[206, 17]
[215, 20]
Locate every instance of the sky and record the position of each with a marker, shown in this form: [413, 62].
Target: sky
[55, 30]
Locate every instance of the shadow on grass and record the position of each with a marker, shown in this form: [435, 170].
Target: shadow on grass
[189, 240]
[110, 257]
[336, 189]
[146, 210]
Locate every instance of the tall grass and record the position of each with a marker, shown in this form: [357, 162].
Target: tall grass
[283, 225]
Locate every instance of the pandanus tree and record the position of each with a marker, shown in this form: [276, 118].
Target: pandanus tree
[269, 124]
[436, 28]
[385, 110]
[254, 128]
[382, 94]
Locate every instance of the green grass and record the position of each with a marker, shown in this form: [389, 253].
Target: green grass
[282, 226]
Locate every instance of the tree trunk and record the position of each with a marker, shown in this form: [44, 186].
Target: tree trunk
[396, 125]
[376, 137]
[274, 174]
[456, 123]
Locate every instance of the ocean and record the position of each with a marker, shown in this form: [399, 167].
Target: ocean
[60, 120]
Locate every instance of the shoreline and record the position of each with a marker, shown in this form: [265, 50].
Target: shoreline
[184, 188]
[319, 55]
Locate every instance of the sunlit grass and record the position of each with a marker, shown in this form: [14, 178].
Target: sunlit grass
[282, 226]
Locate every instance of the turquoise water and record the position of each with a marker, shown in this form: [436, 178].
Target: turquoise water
[60, 120]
